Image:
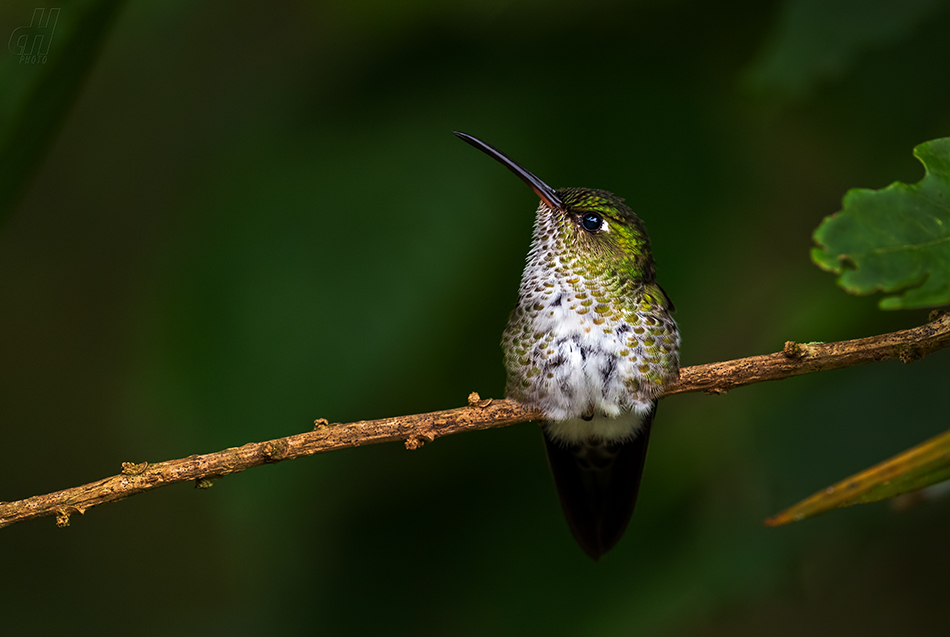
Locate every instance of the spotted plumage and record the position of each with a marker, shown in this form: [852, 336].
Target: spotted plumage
[591, 345]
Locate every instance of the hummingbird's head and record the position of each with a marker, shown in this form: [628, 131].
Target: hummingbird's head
[593, 224]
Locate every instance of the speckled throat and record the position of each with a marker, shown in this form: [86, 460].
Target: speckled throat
[591, 342]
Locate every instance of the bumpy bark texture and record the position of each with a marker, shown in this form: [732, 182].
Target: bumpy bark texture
[415, 430]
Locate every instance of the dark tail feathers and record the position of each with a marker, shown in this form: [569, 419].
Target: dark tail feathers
[598, 484]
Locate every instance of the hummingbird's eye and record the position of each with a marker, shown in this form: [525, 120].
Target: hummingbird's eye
[592, 222]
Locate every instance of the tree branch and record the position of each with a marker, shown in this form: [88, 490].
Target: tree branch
[415, 430]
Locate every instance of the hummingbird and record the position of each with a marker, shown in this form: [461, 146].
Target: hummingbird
[591, 345]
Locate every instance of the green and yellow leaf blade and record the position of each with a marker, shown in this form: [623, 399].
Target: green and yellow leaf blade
[921, 466]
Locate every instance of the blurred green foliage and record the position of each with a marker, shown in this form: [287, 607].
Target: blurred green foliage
[36, 111]
[256, 215]
[817, 40]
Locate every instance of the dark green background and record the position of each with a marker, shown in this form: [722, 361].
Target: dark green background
[255, 215]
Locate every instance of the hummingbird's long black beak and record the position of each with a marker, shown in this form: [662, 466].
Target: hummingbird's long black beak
[541, 189]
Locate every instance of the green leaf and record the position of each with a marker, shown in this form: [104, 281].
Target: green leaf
[896, 239]
[74, 35]
[927, 463]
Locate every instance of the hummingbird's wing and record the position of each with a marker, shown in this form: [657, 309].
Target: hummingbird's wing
[598, 482]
